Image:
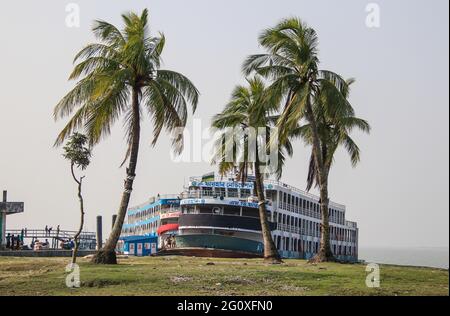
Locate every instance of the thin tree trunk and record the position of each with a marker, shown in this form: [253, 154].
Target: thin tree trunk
[271, 253]
[325, 253]
[107, 255]
[80, 229]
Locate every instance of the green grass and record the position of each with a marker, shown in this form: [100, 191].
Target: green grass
[194, 276]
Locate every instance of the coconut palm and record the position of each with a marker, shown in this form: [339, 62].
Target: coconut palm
[292, 64]
[250, 108]
[121, 77]
[334, 130]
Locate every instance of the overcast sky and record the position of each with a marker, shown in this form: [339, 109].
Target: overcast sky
[398, 194]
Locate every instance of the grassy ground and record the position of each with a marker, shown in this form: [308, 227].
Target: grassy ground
[210, 276]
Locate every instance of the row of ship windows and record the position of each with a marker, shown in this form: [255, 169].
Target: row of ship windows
[286, 202]
[296, 204]
[299, 245]
[141, 229]
[306, 227]
[222, 192]
[149, 213]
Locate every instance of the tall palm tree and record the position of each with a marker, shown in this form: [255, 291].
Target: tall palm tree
[292, 64]
[121, 76]
[334, 129]
[251, 108]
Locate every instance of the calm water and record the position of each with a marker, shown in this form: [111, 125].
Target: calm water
[427, 257]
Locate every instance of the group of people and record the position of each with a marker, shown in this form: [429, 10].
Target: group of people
[48, 230]
[14, 242]
[170, 242]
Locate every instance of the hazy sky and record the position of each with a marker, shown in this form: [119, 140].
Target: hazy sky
[399, 192]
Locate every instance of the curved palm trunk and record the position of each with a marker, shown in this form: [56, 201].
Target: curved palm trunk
[325, 253]
[107, 255]
[270, 251]
[80, 229]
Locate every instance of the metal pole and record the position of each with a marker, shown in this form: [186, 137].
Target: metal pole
[5, 196]
[99, 233]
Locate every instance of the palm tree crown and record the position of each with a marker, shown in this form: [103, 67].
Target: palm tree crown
[334, 129]
[292, 64]
[123, 61]
[250, 106]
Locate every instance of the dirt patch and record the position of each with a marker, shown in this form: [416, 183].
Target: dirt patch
[179, 279]
[294, 288]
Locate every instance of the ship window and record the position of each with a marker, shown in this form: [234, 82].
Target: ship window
[219, 192]
[207, 191]
[232, 192]
[245, 193]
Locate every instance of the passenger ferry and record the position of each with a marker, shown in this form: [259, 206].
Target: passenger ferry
[214, 216]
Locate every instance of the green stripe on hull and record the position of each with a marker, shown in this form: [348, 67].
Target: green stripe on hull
[220, 242]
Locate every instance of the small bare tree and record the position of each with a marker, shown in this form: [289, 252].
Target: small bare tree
[79, 156]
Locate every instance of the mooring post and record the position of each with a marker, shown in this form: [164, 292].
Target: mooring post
[99, 233]
[3, 220]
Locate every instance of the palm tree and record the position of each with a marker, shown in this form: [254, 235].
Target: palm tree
[292, 64]
[121, 76]
[250, 108]
[334, 129]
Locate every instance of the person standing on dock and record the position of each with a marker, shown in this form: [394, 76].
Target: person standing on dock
[8, 241]
[46, 230]
[57, 231]
[19, 243]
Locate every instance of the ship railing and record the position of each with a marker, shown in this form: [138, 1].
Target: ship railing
[41, 233]
[288, 228]
[301, 192]
[280, 184]
[197, 194]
